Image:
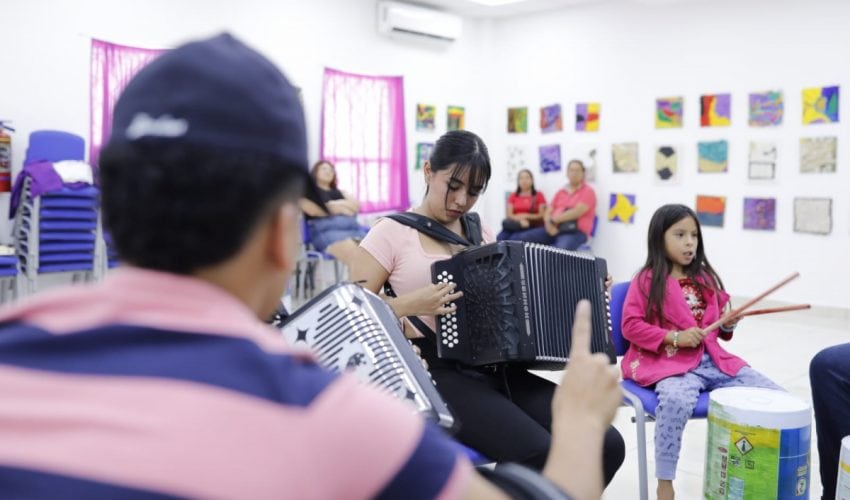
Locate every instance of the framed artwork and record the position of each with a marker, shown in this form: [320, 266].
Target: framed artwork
[711, 210]
[517, 120]
[667, 164]
[766, 108]
[668, 112]
[762, 162]
[820, 105]
[551, 119]
[423, 153]
[455, 118]
[715, 110]
[622, 208]
[813, 215]
[713, 156]
[587, 116]
[425, 115]
[625, 157]
[517, 159]
[550, 158]
[760, 214]
[818, 154]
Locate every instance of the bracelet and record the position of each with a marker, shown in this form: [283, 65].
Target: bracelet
[676, 338]
[728, 330]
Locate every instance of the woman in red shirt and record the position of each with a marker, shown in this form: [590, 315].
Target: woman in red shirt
[525, 211]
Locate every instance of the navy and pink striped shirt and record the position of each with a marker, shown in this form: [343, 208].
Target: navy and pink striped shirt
[152, 385]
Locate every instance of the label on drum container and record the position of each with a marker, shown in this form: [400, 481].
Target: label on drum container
[746, 462]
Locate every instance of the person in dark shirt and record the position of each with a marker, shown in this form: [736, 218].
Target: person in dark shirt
[335, 229]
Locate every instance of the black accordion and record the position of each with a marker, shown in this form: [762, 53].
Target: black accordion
[352, 329]
[518, 304]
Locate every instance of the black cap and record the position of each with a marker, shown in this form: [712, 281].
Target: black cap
[219, 93]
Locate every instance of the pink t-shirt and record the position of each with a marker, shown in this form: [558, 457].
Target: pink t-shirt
[398, 249]
[563, 201]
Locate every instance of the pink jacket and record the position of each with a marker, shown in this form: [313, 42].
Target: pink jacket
[647, 361]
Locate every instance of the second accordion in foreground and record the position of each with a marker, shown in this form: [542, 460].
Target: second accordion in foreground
[518, 304]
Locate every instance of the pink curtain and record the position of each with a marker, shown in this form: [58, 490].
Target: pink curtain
[363, 135]
[112, 66]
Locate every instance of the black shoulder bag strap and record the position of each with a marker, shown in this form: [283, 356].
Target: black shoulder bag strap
[471, 224]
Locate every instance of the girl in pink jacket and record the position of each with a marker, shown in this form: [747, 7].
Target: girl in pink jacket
[674, 295]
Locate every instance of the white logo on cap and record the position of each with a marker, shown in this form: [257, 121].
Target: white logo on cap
[163, 126]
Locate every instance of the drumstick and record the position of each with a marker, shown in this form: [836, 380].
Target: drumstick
[771, 310]
[737, 312]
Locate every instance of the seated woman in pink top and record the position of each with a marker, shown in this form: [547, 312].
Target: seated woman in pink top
[674, 295]
[569, 219]
[525, 211]
[505, 411]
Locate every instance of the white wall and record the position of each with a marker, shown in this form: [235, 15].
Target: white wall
[45, 83]
[625, 56]
[617, 53]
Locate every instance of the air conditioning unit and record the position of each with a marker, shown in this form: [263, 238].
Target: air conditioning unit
[395, 18]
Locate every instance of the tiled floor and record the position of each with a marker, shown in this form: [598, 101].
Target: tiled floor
[780, 346]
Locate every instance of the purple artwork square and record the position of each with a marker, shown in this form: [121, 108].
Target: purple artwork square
[550, 158]
[760, 214]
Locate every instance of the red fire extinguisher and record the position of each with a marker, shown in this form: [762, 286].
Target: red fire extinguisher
[5, 157]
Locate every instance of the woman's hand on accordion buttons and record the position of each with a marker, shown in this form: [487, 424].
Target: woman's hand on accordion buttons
[432, 300]
[609, 282]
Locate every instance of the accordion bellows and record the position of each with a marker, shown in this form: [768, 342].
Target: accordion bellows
[518, 304]
[351, 329]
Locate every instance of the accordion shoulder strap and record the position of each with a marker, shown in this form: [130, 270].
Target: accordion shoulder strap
[470, 222]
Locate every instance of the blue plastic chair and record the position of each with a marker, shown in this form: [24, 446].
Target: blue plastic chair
[54, 145]
[57, 231]
[644, 400]
[305, 279]
[585, 247]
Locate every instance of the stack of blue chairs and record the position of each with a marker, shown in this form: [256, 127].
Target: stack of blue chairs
[56, 232]
[8, 277]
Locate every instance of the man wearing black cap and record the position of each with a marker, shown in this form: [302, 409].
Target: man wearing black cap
[163, 382]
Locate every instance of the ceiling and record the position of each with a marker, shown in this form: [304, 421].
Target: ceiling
[468, 8]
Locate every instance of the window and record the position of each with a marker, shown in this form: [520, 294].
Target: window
[112, 66]
[363, 135]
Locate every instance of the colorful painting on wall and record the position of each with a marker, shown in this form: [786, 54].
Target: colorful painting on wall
[818, 154]
[760, 214]
[622, 208]
[425, 115]
[820, 105]
[715, 110]
[550, 158]
[666, 164]
[455, 118]
[710, 210]
[587, 116]
[766, 108]
[551, 119]
[813, 215]
[423, 153]
[517, 120]
[668, 112]
[517, 159]
[625, 156]
[762, 160]
[713, 156]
